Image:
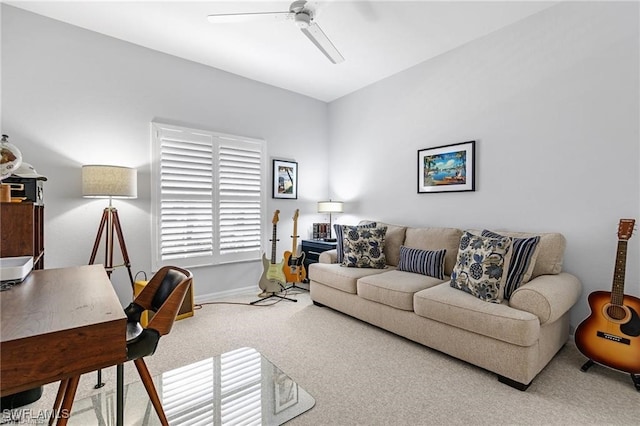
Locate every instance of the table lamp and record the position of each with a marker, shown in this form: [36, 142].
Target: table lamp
[330, 207]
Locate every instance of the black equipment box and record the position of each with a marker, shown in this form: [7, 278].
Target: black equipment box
[30, 188]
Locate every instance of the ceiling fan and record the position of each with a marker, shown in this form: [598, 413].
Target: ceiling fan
[301, 14]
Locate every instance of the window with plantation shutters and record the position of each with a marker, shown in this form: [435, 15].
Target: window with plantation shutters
[207, 196]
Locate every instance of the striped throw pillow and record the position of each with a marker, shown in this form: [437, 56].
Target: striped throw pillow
[522, 261]
[339, 234]
[425, 262]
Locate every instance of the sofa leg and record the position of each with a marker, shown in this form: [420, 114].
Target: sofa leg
[318, 304]
[513, 383]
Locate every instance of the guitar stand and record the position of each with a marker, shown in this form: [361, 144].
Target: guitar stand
[293, 285]
[634, 377]
[274, 295]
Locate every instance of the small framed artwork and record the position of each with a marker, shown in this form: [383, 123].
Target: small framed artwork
[447, 168]
[285, 179]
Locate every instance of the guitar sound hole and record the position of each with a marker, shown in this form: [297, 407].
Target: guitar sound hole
[616, 312]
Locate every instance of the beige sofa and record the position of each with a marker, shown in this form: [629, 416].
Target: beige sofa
[515, 339]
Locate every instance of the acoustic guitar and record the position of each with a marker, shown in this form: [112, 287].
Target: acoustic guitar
[272, 279]
[610, 335]
[293, 268]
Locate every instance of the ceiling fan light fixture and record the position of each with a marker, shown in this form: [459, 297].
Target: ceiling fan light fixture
[303, 20]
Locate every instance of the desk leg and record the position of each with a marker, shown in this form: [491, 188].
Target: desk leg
[67, 400]
[58, 402]
[120, 395]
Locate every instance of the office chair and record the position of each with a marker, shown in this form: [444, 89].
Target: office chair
[163, 295]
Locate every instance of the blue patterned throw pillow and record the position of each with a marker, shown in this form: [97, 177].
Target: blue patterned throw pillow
[364, 247]
[425, 262]
[521, 263]
[478, 270]
[340, 239]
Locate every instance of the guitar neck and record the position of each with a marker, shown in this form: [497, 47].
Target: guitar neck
[617, 289]
[273, 244]
[294, 242]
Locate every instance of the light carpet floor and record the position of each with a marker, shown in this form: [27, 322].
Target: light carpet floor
[362, 375]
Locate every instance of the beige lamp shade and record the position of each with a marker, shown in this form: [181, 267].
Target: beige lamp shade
[101, 181]
[329, 206]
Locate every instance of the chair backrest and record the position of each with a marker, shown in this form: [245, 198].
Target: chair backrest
[168, 284]
[164, 295]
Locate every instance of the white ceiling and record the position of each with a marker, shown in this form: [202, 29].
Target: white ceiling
[377, 38]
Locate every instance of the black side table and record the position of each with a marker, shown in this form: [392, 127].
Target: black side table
[312, 250]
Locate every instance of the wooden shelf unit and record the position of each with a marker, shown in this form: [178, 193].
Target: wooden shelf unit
[22, 231]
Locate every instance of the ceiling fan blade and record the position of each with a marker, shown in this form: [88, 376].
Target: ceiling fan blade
[225, 18]
[323, 43]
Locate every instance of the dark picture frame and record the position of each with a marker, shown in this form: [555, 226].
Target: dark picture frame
[285, 179]
[447, 168]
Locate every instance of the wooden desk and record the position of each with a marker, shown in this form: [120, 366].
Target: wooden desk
[59, 323]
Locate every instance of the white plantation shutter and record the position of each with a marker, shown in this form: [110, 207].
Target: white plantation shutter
[240, 193]
[207, 197]
[186, 196]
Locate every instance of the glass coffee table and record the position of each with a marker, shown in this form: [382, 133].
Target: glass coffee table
[237, 387]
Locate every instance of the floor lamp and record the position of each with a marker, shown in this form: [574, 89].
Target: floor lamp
[330, 207]
[99, 181]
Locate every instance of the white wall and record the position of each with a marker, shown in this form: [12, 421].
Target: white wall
[72, 97]
[552, 102]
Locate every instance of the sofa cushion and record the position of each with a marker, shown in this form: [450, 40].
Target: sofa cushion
[523, 257]
[393, 240]
[447, 305]
[341, 278]
[436, 239]
[394, 288]
[340, 239]
[424, 262]
[480, 266]
[550, 251]
[364, 246]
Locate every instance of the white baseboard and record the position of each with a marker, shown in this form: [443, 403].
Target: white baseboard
[212, 297]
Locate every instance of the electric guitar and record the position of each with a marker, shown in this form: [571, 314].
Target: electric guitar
[272, 279]
[293, 267]
[611, 334]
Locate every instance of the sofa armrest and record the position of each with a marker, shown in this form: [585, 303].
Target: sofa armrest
[547, 296]
[329, 256]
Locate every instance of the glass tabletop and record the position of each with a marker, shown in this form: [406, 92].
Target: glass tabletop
[237, 387]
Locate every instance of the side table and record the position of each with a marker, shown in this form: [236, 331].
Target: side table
[312, 250]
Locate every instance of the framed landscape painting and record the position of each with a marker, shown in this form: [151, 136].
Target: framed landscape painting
[285, 179]
[447, 168]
